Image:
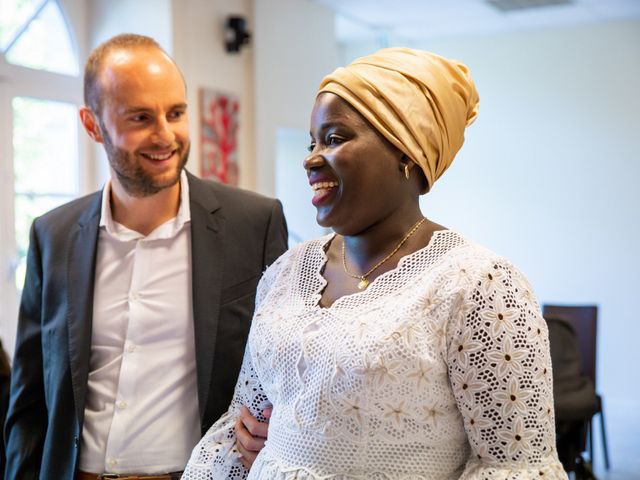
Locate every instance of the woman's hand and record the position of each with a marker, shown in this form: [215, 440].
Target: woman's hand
[251, 435]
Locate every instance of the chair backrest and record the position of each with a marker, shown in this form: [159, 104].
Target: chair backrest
[573, 392]
[584, 320]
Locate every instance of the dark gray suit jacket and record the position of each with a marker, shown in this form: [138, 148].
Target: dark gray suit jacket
[235, 235]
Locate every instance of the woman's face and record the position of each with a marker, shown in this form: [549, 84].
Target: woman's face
[354, 171]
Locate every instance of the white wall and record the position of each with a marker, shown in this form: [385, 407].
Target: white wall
[295, 47]
[146, 17]
[549, 175]
[199, 50]
[292, 186]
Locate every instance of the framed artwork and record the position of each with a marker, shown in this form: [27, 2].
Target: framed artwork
[219, 122]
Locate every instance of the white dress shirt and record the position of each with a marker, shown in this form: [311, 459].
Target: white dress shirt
[141, 411]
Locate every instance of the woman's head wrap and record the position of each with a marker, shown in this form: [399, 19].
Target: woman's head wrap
[419, 101]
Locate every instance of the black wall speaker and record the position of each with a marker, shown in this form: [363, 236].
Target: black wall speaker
[236, 33]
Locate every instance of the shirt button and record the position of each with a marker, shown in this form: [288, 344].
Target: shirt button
[112, 462]
[134, 296]
[131, 348]
[122, 405]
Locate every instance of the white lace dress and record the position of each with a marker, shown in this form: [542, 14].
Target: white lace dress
[439, 370]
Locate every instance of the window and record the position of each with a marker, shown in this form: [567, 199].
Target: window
[40, 91]
[45, 164]
[15, 14]
[34, 34]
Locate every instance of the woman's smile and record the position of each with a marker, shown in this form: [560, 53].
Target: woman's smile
[322, 192]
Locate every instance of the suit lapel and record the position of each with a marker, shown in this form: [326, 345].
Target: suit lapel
[207, 251]
[80, 280]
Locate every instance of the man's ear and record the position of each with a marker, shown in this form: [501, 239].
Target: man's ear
[90, 124]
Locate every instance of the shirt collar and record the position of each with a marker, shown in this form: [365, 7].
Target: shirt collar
[167, 230]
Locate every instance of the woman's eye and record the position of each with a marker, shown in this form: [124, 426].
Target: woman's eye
[311, 147]
[334, 140]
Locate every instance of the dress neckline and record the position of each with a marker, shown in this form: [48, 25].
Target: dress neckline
[373, 285]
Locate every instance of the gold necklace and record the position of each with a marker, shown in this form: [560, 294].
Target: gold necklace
[364, 283]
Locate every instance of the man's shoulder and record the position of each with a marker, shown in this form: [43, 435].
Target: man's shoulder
[72, 212]
[229, 196]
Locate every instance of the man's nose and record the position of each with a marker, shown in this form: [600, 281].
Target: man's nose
[163, 133]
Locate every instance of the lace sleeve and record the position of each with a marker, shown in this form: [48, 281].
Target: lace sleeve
[215, 456]
[500, 372]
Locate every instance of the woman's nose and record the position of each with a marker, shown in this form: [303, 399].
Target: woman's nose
[313, 160]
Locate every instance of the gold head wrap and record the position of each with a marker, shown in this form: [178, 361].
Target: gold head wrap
[419, 101]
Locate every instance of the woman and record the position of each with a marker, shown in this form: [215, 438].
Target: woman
[394, 348]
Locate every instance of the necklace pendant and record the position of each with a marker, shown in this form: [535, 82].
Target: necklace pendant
[363, 283]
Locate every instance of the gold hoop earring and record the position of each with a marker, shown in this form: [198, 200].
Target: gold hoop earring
[406, 171]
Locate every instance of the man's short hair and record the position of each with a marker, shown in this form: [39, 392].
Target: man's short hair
[92, 94]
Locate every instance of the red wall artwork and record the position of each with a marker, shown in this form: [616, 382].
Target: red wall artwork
[219, 136]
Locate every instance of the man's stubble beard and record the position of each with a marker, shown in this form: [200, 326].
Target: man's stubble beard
[136, 181]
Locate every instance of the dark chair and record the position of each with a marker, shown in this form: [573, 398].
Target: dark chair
[574, 398]
[584, 320]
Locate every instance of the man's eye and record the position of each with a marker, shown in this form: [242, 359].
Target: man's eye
[177, 114]
[139, 118]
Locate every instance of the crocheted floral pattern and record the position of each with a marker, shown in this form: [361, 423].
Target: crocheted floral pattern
[439, 370]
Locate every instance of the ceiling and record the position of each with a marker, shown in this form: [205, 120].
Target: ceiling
[414, 20]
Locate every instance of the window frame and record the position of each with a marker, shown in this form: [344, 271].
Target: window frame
[19, 81]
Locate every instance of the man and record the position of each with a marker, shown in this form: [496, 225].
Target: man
[138, 298]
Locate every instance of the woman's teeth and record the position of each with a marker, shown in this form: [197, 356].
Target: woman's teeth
[323, 185]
